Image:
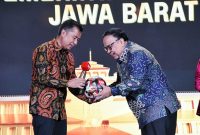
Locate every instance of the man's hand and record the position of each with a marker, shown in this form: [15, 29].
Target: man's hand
[105, 93]
[76, 83]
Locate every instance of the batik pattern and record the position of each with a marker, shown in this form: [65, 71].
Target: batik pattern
[144, 85]
[51, 69]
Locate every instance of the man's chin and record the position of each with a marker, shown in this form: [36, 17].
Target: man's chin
[115, 57]
[68, 47]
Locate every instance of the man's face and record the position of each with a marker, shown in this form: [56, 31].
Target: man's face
[70, 38]
[113, 46]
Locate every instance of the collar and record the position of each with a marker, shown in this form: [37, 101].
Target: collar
[123, 57]
[57, 46]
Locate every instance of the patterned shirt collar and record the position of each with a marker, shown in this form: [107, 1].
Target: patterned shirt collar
[123, 56]
[57, 46]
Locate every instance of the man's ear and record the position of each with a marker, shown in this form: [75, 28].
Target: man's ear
[63, 32]
[121, 40]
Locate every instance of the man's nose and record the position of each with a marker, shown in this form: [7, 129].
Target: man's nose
[109, 51]
[75, 41]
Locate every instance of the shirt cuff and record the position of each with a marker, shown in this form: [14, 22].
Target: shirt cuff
[115, 91]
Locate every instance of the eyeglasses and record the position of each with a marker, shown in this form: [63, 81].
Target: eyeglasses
[109, 47]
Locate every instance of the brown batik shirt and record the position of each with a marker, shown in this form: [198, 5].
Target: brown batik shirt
[51, 68]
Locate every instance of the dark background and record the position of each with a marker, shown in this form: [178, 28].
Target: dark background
[24, 25]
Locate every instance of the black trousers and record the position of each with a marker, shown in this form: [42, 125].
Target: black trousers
[162, 126]
[47, 126]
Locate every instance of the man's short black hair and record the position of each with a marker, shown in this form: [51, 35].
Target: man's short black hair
[68, 24]
[116, 32]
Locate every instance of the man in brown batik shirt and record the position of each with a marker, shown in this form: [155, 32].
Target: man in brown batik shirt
[52, 72]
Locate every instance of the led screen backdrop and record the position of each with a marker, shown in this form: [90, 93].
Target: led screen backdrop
[169, 29]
